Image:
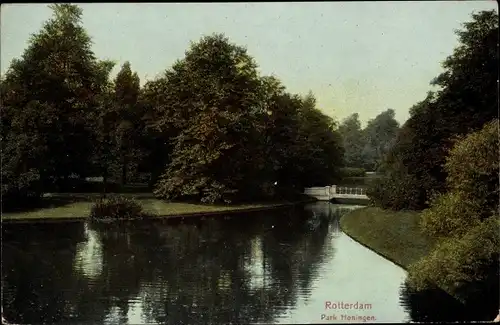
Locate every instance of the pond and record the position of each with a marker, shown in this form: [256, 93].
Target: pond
[286, 266]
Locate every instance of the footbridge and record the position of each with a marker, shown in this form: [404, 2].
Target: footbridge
[328, 193]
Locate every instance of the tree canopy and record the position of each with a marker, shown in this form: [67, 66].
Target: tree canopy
[465, 219]
[47, 97]
[225, 121]
[466, 99]
[211, 128]
[366, 148]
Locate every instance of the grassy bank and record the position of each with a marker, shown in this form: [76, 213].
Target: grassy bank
[394, 235]
[77, 206]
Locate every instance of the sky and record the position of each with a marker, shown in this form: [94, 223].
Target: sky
[356, 57]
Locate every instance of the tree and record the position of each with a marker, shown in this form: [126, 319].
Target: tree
[159, 128]
[353, 140]
[380, 135]
[234, 133]
[47, 98]
[466, 100]
[106, 155]
[129, 127]
[213, 97]
[465, 262]
[320, 143]
[472, 183]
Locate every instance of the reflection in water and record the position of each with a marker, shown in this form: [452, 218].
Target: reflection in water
[276, 267]
[89, 259]
[254, 265]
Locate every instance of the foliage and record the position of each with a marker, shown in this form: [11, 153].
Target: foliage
[352, 172]
[353, 141]
[472, 181]
[214, 153]
[451, 213]
[156, 138]
[465, 219]
[365, 148]
[472, 168]
[129, 124]
[322, 150]
[239, 133]
[47, 96]
[211, 126]
[466, 100]
[380, 135]
[464, 266]
[395, 191]
[116, 208]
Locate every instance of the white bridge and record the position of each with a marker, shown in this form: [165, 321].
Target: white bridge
[328, 193]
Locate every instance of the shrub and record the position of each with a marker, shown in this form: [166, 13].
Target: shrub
[451, 214]
[465, 262]
[397, 191]
[472, 168]
[462, 266]
[352, 172]
[116, 208]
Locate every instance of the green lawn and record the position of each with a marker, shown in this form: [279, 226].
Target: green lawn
[80, 208]
[396, 235]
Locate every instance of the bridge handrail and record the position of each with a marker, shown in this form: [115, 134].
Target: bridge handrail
[331, 191]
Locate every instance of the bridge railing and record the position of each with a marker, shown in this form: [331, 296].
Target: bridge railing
[350, 190]
[330, 191]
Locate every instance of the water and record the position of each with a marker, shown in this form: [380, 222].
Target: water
[274, 267]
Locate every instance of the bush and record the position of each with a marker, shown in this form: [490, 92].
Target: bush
[465, 263]
[463, 266]
[20, 190]
[116, 208]
[451, 214]
[352, 172]
[397, 191]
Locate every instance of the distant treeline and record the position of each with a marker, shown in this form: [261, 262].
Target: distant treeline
[366, 148]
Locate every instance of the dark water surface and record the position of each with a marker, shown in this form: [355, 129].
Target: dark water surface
[272, 267]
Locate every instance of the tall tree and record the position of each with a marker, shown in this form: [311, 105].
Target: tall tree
[353, 140]
[48, 96]
[466, 220]
[156, 138]
[380, 134]
[322, 145]
[213, 99]
[105, 156]
[129, 127]
[466, 100]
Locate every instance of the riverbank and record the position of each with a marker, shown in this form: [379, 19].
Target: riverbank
[77, 206]
[395, 235]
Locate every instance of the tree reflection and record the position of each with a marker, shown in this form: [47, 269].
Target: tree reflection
[245, 269]
[36, 272]
[435, 305]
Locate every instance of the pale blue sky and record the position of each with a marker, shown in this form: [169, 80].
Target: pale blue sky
[360, 57]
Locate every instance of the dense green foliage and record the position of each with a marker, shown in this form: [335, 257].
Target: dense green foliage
[231, 133]
[446, 161]
[210, 128]
[116, 208]
[47, 95]
[366, 148]
[467, 99]
[466, 219]
[352, 172]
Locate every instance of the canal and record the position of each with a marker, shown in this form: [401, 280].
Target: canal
[285, 266]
